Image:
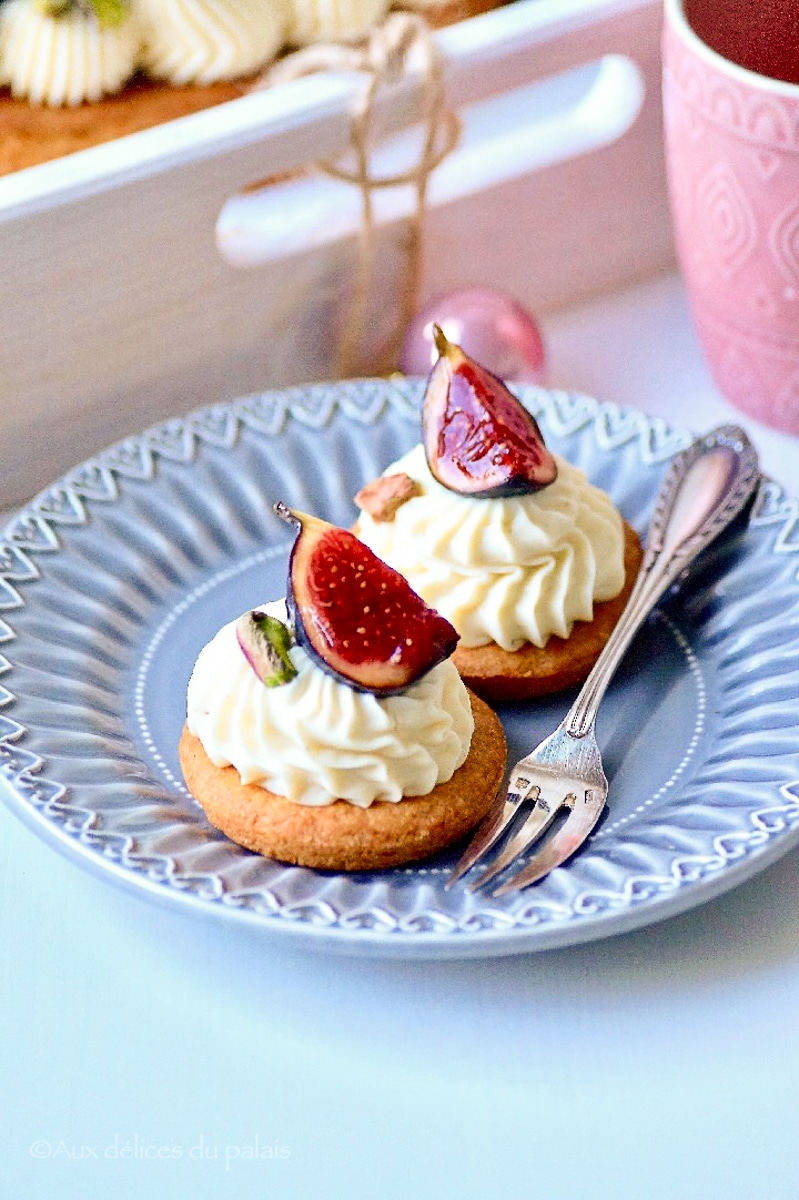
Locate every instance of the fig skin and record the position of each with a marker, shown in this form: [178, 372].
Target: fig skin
[358, 618]
[479, 439]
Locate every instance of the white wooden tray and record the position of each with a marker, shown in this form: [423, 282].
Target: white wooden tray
[135, 287]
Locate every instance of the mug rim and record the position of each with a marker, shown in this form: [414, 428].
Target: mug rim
[674, 11]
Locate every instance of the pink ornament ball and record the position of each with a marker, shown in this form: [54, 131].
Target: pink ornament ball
[491, 327]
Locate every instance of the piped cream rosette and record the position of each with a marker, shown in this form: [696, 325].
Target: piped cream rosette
[312, 21]
[205, 41]
[62, 54]
[507, 571]
[315, 739]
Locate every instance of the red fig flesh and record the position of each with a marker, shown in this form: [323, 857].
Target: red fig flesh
[357, 617]
[478, 438]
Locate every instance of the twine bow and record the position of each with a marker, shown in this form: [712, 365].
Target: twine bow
[384, 58]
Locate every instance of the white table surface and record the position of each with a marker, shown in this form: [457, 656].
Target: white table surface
[146, 1055]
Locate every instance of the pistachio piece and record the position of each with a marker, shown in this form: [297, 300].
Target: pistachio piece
[107, 13]
[265, 643]
[54, 8]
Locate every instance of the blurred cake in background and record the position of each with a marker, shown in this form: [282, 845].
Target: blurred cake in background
[77, 73]
[56, 53]
[206, 41]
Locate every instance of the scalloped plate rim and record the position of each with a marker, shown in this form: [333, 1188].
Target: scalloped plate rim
[429, 945]
[517, 938]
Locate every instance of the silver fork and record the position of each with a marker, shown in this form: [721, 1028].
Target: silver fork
[706, 487]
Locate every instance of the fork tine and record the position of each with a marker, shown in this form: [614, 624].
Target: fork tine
[533, 828]
[489, 831]
[569, 837]
[706, 487]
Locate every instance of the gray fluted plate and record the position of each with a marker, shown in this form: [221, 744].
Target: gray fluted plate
[113, 578]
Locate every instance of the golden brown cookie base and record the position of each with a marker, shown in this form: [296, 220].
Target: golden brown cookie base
[438, 13]
[32, 134]
[340, 836]
[501, 675]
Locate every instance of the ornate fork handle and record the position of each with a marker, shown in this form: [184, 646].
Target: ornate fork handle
[706, 487]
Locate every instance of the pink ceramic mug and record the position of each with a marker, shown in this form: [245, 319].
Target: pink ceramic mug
[732, 156]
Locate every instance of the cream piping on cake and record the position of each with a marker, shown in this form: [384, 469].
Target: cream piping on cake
[510, 570]
[205, 41]
[332, 20]
[315, 739]
[64, 60]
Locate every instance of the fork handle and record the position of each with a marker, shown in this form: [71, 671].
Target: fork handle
[706, 487]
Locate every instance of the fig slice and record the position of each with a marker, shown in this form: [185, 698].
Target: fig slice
[358, 618]
[265, 642]
[478, 438]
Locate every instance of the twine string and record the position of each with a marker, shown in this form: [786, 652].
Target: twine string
[386, 57]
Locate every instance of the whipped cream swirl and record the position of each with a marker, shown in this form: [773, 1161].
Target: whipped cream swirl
[332, 20]
[205, 41]
[509, 570]
[315, 740]
[63, 60]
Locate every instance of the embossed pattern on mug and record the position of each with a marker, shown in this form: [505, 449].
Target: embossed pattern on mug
[732, 150]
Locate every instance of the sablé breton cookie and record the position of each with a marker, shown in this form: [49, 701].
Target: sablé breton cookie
[529, 561]
[333, 730]
[342, 836]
